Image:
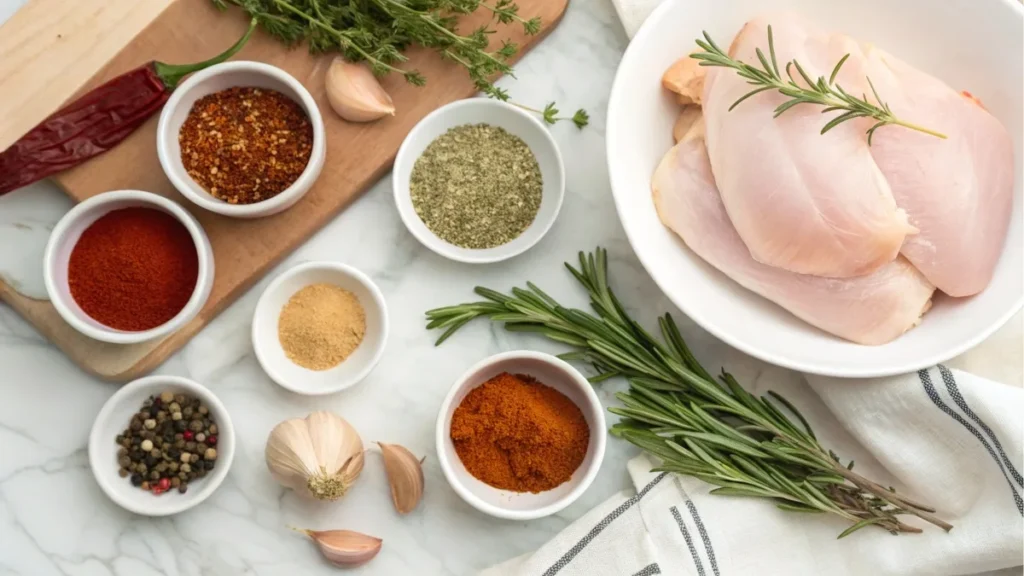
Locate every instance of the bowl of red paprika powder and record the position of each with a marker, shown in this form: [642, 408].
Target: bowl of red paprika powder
[128, 266]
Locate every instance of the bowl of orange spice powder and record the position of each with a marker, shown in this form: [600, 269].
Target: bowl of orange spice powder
[521, 435]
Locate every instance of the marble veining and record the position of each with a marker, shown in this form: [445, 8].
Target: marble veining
[55, 521]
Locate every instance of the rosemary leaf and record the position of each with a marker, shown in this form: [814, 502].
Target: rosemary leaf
[819, 92]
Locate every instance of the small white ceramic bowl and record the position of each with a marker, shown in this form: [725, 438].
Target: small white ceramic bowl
[495, 113]
[115, 416]
[70, 228]
[548, 370]
[221, 77]
[352, 370]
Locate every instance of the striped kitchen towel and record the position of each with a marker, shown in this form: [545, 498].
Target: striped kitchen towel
[945, 437]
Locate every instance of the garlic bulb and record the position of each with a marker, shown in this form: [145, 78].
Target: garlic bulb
[354, 92]
[344, 548]
[319, 456]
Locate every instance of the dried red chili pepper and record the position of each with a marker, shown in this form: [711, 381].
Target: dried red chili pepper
[97, 121]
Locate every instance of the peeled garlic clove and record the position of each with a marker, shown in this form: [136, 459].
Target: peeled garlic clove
[345, 548]
[405, 474]
[354, 92]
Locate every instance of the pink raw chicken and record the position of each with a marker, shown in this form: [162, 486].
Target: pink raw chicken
[871, 309]
[959, 191]
[800, 201]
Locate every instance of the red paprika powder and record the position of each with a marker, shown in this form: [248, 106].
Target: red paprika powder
[133, 269]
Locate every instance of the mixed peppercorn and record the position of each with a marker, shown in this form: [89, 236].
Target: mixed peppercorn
[169, 442]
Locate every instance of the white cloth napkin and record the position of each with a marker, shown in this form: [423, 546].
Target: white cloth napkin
[944, 437]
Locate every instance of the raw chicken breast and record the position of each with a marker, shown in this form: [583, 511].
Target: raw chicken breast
[801, 201]
[871, 309]
[958, 192]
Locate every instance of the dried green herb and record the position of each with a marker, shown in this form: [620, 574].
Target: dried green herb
[477, 186]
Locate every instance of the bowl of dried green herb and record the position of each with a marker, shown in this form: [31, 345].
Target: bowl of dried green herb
[479, 181]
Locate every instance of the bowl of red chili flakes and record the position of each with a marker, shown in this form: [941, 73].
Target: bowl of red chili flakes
[128, 266]
[242, 139]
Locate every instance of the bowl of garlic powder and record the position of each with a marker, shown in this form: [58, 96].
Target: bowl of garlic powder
[319, 328]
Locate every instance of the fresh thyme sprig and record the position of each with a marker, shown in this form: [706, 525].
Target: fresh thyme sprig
[821, 91]
[699, 426]
[378, 31]
[550, 114]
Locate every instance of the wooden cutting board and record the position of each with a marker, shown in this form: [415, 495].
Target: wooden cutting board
[183, 31]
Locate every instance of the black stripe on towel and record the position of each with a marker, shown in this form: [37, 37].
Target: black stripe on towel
[703, 536]
[568, 556]
[929, 388]
[649, 570]
[958, 398]
[689, 541]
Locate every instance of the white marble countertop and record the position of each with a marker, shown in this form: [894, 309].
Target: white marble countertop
[55, 521]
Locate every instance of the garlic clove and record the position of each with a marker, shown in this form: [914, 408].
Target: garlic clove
[289, 454]
[405, 474]
[354, 92]
[345, 548]
[334, 440]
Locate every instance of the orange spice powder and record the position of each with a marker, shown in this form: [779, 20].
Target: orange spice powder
[517, 434]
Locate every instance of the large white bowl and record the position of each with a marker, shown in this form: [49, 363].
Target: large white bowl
[929, 34]
[553, 372]
[115, 416]
[221, 77]
[495, 113]
[70, 228]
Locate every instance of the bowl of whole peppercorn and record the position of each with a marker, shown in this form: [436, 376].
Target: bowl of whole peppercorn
[242, 139]
[161, 445]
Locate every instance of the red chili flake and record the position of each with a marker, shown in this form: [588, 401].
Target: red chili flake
[245, 144]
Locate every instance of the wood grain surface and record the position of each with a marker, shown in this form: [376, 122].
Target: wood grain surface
[357, 156]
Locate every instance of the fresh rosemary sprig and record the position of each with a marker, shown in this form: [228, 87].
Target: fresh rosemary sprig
[675, 410]
[378, 31]
[821, 92]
